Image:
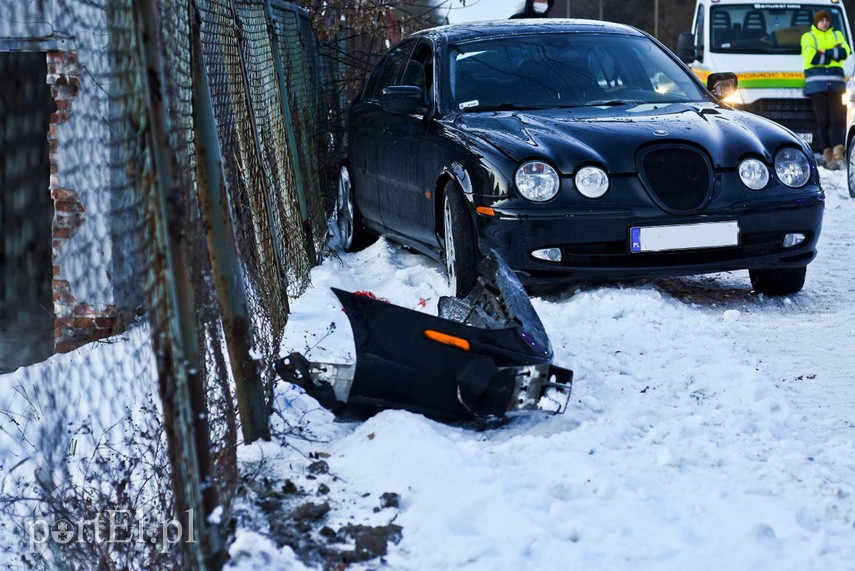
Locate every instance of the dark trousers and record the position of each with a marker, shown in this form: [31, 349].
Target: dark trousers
[830, 119]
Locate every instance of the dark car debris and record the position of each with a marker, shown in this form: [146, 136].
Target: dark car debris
[482, 356]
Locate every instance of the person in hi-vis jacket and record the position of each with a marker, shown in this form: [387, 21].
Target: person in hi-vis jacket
[823, 51]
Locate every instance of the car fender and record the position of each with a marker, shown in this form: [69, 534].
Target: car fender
[456, 172]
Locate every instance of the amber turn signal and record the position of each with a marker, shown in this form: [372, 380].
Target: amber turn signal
[446, 339]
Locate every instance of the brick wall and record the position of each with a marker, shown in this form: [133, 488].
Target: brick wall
[76, 323]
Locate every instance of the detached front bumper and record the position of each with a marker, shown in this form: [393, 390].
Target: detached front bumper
[482, 356]
[480, 389]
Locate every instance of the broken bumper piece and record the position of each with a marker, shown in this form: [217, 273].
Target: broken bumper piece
[484, 355]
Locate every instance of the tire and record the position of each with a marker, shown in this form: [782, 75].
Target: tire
[850, 167]
[778, 281]
[460, 242]
[352, 235]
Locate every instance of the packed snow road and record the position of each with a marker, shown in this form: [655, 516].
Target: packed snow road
[709, 428]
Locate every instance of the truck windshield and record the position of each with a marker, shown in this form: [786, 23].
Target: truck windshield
[765, 28]
[555, 70]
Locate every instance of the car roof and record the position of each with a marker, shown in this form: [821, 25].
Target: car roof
[496, 28]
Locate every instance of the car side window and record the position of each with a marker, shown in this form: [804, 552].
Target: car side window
[389, 72]
[419, 70]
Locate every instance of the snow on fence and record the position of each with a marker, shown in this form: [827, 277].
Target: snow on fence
[179, 155]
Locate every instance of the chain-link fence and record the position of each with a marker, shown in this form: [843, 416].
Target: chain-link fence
[164, 189]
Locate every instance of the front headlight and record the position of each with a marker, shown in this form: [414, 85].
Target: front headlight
[537, 181]
[734, 98]
[792, 167]
[753, 173]
[592, 182]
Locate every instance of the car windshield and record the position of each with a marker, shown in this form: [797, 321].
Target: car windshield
[765, 28]
[564, 70]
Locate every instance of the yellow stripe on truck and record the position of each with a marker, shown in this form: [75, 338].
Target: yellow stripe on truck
[761, 79]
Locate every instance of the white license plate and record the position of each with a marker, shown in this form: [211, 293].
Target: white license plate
[808, 137]
[684, 236]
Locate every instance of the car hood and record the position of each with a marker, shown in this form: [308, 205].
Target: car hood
[611, 135]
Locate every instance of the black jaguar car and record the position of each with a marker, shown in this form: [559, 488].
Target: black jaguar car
[575, 150]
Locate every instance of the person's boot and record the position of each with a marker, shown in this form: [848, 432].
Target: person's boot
[828, 155]
[838, 156]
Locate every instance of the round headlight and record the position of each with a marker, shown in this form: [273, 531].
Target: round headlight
[753, 173]
[537, 181]
[792, 167]
[592, 182]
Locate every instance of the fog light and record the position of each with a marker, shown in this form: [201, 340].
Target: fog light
[793, 239]
[550, 254]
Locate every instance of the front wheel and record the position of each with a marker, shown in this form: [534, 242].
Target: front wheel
[461, 247]
[351, 234]
[778, 281]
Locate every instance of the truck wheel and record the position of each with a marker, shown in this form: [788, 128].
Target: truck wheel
[782, 281]
[461, 246]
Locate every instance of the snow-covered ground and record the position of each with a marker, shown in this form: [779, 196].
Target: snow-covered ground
[709, 428]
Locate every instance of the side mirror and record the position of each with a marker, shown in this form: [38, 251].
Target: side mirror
[722, 84]
[686, 47]
[408, 99]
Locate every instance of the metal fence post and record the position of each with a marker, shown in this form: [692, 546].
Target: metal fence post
[228, 273]
[277, 249]
[182, 393]
[290, 130]
[286, 113]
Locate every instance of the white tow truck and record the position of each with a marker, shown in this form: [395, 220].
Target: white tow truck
[760, 43]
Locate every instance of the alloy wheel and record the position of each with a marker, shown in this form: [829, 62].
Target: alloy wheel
[449, 244]
[344, 209]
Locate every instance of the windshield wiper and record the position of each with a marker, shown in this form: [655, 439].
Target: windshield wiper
[615, 102]
[513, 107]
